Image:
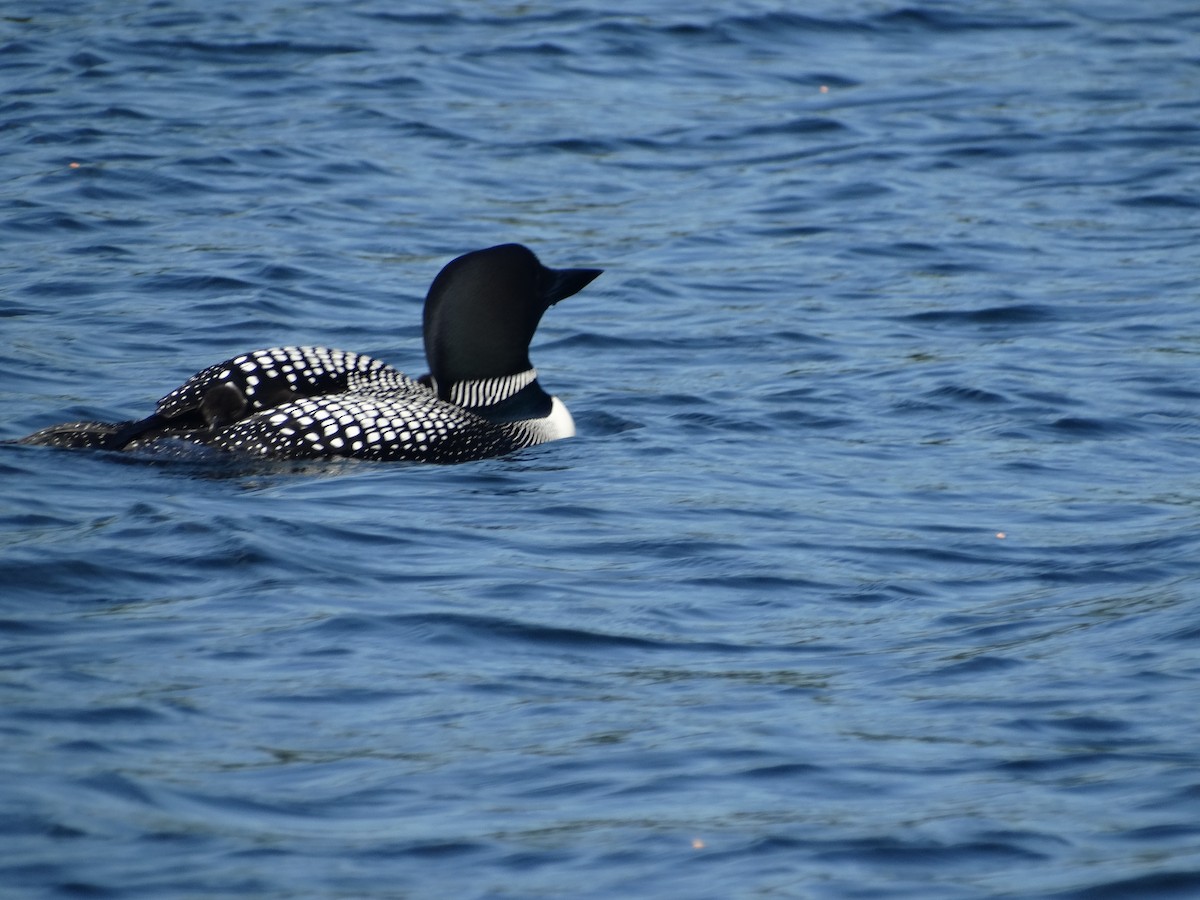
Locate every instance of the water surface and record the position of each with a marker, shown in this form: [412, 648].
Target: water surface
[872, 572]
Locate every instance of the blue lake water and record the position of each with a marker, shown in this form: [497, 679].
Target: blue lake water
[874, 570]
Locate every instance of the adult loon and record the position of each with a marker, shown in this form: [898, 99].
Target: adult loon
[481, 397]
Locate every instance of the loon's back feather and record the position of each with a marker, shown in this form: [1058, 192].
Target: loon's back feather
[272, 376]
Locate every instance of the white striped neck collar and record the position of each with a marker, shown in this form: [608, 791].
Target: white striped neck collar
[483, 392]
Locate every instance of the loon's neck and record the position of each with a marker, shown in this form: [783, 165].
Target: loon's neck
[480, 393]
[507, 399]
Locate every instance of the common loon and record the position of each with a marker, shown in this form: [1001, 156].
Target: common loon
[481, 397]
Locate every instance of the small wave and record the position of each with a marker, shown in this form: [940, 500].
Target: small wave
[466, 630]
[1163, 201]
[194, 284]
[46, 221]
[967, 394]
[244, 52]
[1183, 884]
[1084, 427]
[894, 851]
[1015, 314]
[949, 22]
[99, 716]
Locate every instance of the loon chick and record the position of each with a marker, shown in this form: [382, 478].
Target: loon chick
[481, 397]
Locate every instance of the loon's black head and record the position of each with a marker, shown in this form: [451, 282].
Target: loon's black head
[483, 308]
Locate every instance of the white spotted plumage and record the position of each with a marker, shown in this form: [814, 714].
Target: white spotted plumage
[264, 376]
[375, 424]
